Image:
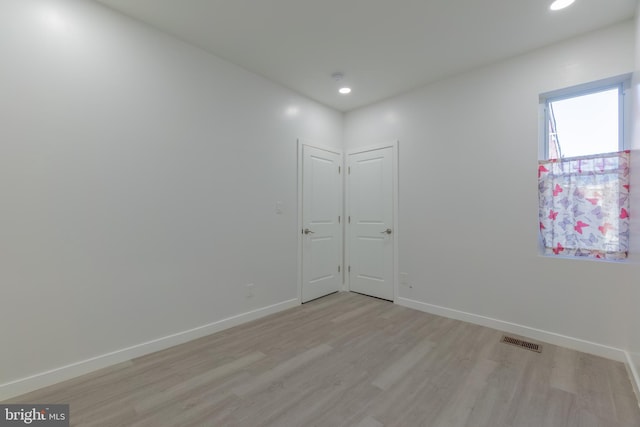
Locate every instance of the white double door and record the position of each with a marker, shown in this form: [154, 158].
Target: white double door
[369, 224]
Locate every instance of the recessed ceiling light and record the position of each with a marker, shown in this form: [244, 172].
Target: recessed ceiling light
[338, 76]
[561, 4]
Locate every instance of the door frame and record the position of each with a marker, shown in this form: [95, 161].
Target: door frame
[394, 145]
[300, 145]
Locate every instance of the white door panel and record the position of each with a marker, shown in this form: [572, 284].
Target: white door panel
[322, 231]
[371, 237]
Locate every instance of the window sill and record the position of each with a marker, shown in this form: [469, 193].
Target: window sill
[587, 259]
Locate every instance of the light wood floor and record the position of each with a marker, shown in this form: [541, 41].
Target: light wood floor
[351, 360]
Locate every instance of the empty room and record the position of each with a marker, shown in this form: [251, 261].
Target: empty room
[190, 233]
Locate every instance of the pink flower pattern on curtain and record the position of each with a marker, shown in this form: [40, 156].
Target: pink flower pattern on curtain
[584, 205]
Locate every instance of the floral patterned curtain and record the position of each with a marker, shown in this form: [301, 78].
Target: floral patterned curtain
[584, 205]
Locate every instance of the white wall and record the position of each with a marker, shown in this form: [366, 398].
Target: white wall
[468, 196]
[138, 182]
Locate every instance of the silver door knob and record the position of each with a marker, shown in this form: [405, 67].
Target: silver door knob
[307, 231]
[387, 231]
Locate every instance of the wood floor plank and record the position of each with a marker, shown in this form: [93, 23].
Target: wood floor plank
[459, 411]
[280, 370]
[563, 372]
[195, 382]
[349, 360]
[369, 422]
[401, 367]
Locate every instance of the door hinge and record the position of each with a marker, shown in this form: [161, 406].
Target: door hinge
[339, 169]
[349, 269]
[338, 269]
[349, 219]
[349, 170]
[339, 219]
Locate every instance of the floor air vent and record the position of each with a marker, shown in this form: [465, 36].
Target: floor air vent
[522, 344]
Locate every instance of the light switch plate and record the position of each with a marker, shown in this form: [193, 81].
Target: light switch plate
[404, 278]
[249, 288]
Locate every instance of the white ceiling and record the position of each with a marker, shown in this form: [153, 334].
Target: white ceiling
[383, 47]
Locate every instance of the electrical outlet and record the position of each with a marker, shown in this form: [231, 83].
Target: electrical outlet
[249, 288]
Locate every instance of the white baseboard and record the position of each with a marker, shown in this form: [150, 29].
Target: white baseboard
[634, 374]
[44, 379]
[525, 331]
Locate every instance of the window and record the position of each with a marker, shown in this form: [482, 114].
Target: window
[583, 176]
[585, 124]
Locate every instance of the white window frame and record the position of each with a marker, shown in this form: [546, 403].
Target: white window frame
[622, 82]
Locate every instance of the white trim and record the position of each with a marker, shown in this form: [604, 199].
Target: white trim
[514, 328]
[300, 145]
[392, 144]
[395, 148]
[587, 88]
[634, 374]
[347, 230]
[299, 229]
[53, 376]
[396, 227]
